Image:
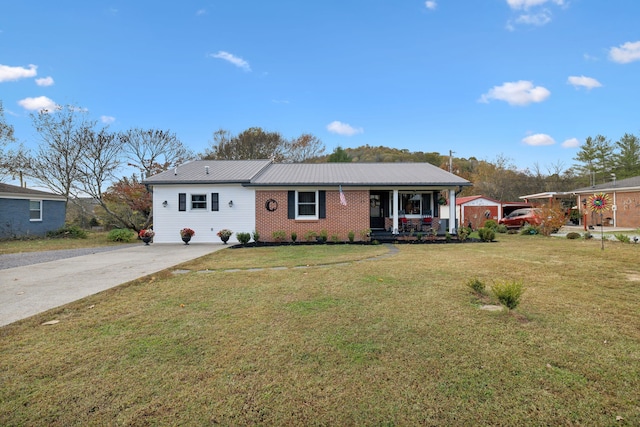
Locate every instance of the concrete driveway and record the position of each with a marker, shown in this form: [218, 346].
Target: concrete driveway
[32, 289]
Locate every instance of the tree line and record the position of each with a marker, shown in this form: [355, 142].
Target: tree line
[77, 158]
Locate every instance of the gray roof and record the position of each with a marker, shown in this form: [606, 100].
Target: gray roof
[220, 171]
[632, 183]
[8, 190]
[357, 174]
[265, 173]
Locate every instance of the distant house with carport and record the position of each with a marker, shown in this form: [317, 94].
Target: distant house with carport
[625, 197]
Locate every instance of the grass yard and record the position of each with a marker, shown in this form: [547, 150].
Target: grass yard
[51, 244]
[397, 340]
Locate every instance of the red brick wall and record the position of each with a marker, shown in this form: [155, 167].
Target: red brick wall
[476, 215]
[339, 221]
[627, 214]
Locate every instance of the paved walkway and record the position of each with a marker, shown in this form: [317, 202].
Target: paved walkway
[32, 289]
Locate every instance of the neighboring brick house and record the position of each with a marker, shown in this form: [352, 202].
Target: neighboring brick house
[248, 195]
[26, 212]
[625, 196]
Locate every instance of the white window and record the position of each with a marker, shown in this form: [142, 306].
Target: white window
[307, 204]
[198, 201]
[35, 210]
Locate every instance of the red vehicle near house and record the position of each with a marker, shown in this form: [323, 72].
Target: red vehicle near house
[521, 217]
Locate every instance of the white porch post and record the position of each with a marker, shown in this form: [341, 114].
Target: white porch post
[394, 211]
[452, 211]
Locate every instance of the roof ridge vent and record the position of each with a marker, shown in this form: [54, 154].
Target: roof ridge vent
[206, 170]
[175, 171]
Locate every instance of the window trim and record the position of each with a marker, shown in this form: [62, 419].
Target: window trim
[39, 210]
[315, 205]
[202, 204]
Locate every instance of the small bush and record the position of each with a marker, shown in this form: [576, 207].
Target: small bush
[508, 292]
[501, 228]
[294, 236]
[573, 235]
[587, 236]
[351, 236]
[463, 233]
[310, 236]
[324, 235]
[491, 224]
[279, 236]
[623, 238]
[486, 234]
[68, 232]
[255, 235]
[335, 238]
[120, 235]
[529, 230]
[476, 285]
[365, 234]
[243, 238]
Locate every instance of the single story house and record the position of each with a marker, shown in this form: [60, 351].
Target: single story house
[625, 198]
[27, 212]
[267, 197]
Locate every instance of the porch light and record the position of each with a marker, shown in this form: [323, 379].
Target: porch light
[416, 197]
[230, 203]
[165, 203]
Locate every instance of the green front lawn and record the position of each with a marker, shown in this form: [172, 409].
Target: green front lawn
[397, 340]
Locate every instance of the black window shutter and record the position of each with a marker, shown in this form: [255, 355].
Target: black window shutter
[322, 205]
[215, 205]
[182, 201]
[291, 205]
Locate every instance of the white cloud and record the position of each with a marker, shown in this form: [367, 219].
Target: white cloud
[582, 81]
[526, 4]
[8, 73]
[537, 19]
[626, 53]
[571, 143]
[431, 5]
[343, 128]
[517, 93]
[538, 139]
[107, 120]
[201, 12]
[38, 104]
[237, 61]
[45, 81]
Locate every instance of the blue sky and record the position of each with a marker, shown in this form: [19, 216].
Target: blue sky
[525, 79]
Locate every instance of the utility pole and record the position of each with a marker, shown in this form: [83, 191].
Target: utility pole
[451, 161]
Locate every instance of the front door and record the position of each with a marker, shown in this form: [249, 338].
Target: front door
[378, 206]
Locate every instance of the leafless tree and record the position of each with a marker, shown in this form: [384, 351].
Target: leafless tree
[303, 148]
[61, 149]
[153, 151]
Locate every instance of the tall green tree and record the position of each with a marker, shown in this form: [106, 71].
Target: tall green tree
[339, 155]
[596, 159]
[627, 158]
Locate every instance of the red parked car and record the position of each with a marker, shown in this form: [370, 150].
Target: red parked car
[521, 217]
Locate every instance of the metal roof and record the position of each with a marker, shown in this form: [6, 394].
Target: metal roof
[210, 171]
[8, 191]
[628, 184]
[356, 174]
[265, 173]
